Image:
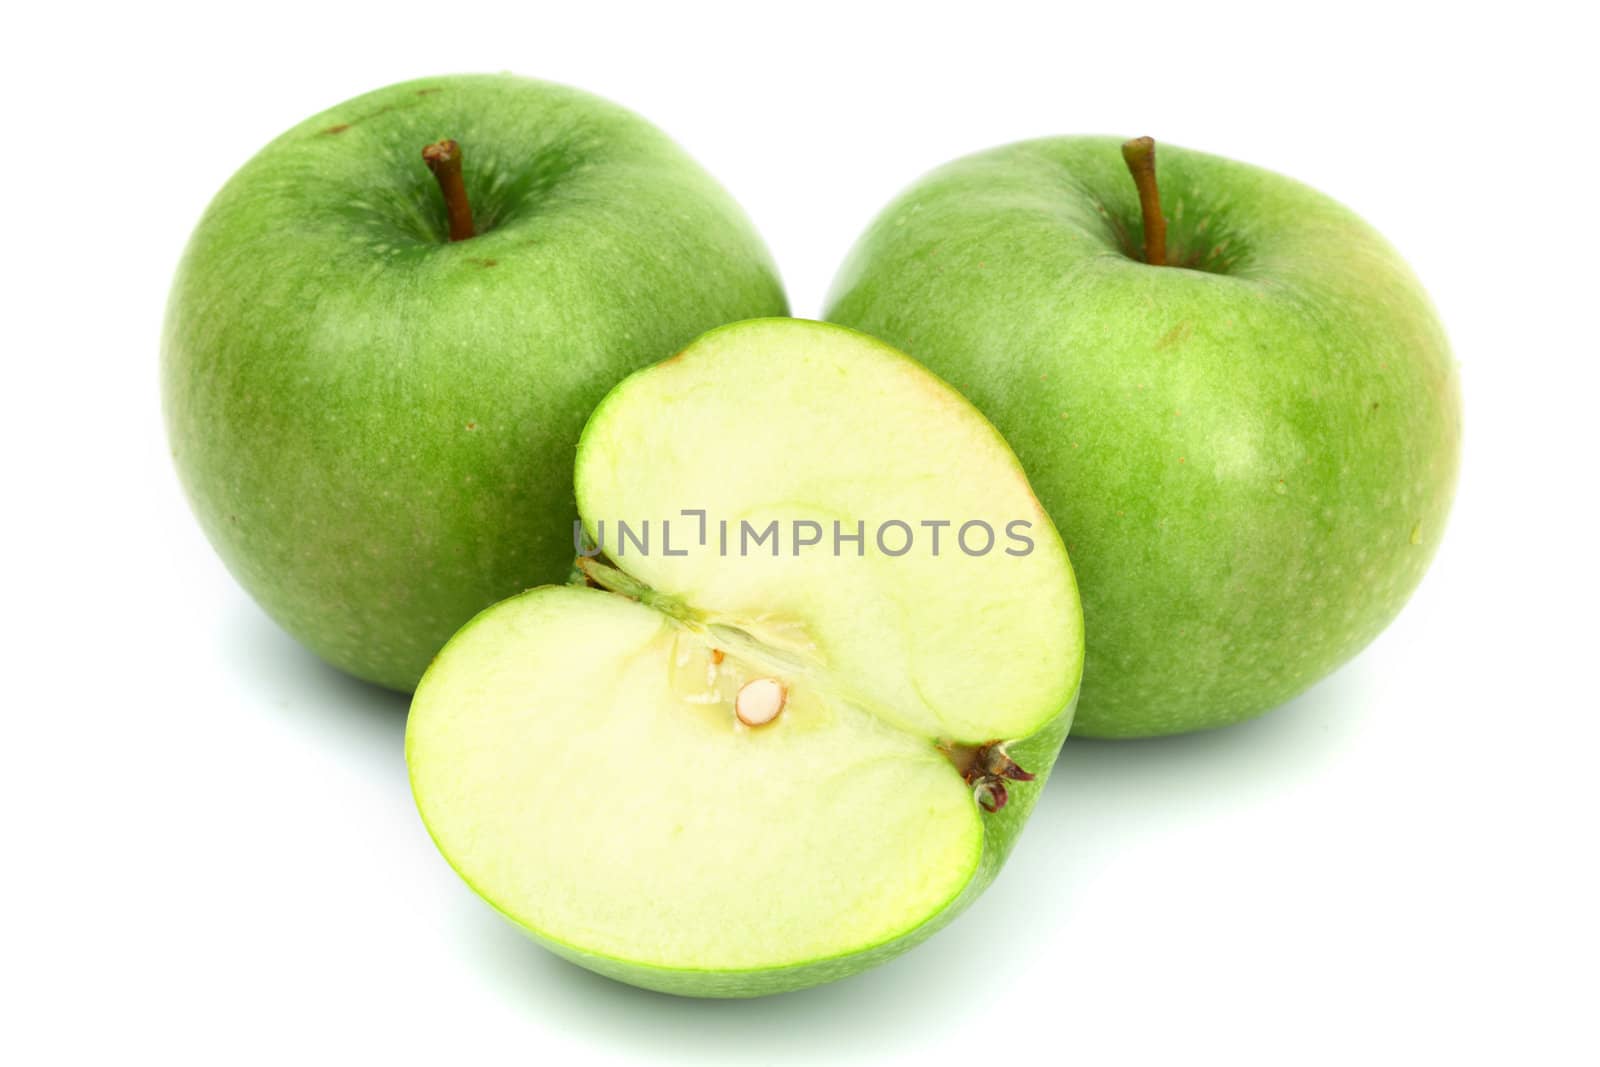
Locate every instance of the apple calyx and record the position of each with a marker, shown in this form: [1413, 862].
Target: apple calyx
[444, 160]
[1140, 156]
[985, 768]
[990, 793]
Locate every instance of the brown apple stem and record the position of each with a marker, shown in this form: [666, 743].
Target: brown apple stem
[1140, 156]
[444, 159]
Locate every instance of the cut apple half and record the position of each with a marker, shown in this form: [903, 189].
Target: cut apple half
[825, 654]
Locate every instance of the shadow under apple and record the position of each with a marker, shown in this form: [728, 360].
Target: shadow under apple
[326, 701]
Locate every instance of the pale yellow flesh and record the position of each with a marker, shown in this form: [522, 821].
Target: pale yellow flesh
[576, 759]
[798, 421]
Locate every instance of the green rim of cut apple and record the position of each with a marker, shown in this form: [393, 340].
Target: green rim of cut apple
[827, 649]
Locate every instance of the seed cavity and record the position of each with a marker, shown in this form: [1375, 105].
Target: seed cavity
[760, 701]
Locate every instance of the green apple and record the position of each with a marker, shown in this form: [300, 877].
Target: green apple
[798, 729]
[1250, 448]
[374, 377]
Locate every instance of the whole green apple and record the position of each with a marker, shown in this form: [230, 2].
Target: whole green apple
[1250, 448]
[375, 376]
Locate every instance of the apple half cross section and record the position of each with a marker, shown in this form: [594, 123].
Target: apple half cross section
[735, 771]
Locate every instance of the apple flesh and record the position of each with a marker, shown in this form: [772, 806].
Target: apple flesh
[374, 423]
[757, 771]
[1250, 452]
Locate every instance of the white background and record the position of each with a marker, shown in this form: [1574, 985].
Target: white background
[210, 853]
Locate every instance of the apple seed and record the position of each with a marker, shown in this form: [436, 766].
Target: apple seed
[760, 701]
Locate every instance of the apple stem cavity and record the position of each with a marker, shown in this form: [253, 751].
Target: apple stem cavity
[1140, 156]
[444, 159]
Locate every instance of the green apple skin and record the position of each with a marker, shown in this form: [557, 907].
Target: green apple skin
[376, 426]
[1251, 456]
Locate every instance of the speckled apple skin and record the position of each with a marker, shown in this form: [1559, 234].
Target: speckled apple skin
[1251, 459]
[375, 427]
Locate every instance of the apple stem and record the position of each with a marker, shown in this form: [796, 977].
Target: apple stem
[1140, 156]
[444, 159]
